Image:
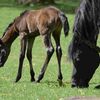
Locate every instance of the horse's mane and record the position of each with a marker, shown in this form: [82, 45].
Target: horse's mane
[22, 14]
[87, 17]
[86, 24]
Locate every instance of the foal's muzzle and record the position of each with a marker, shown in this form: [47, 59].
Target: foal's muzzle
[1, 64]
[2, 57]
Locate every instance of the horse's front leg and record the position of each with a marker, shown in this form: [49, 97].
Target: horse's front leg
[50, 51]
[21, 58]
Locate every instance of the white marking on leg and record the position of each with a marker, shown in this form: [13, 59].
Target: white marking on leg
[49, 49]
[59, 48]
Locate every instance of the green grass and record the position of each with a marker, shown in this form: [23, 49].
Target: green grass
[69, 6]
[48, 89]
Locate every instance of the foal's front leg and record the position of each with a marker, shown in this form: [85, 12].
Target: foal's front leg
[50, 51]
[29, 57]
[21, 58]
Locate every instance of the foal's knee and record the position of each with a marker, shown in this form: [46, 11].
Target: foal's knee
[50, 51]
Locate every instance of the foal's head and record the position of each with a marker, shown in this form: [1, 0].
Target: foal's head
[8, 37]
[4, 52]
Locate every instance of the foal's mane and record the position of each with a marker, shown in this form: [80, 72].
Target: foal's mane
[8, 27]
[21, 14]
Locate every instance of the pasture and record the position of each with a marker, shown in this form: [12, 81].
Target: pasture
[49, 88]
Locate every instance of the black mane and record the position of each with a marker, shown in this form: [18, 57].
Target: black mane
[86, 25]
[83, 49]
[86, 20]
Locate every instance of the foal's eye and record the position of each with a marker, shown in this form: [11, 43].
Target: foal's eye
[3, 52]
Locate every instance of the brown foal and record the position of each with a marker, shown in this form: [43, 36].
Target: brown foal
[28, 26]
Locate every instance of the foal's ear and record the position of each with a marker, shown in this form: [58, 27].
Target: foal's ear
[1, 42]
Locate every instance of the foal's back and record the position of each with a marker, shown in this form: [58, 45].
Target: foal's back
[39, 22]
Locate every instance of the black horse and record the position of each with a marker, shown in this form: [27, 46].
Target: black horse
[83, 49]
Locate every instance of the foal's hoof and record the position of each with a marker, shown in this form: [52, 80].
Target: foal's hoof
[17, 79]
[32, 79]
[60, 82]
[37, 81]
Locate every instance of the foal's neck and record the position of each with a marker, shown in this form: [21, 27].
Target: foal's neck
[9, 36]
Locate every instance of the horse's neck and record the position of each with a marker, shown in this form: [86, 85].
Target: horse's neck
[9, 37]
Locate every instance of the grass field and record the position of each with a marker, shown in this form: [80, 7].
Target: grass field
[48, 89]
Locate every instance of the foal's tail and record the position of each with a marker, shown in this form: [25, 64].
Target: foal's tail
[65, 23]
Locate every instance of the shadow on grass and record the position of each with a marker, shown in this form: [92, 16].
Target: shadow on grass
[65, 84]
[55, 83]
[97, 87]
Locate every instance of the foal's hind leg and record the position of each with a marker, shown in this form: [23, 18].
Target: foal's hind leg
[21, 58]
[59, 55]
[50, 51]
[29, 57]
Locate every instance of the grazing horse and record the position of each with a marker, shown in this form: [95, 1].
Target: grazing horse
[83, 49]
[28, 26]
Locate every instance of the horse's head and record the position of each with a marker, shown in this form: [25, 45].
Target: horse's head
[3, 54]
